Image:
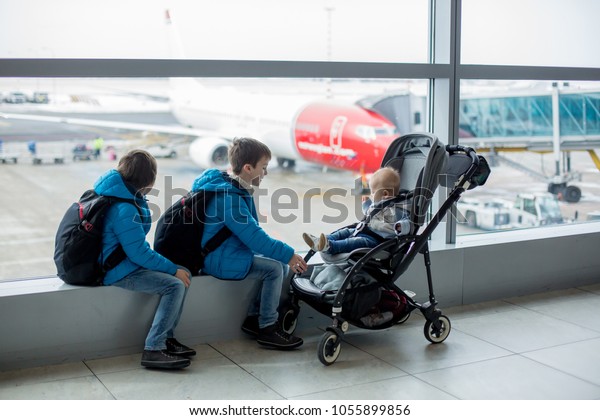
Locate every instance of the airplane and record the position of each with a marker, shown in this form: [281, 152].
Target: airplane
[324, 131]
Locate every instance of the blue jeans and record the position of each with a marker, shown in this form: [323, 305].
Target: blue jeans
[342, 241]
[270, 274]
[172, 293]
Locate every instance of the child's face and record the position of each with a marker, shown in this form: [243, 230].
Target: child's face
[254, 175]
[378, 193]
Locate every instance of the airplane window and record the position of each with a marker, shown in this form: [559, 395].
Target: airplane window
[389, 130]
[555, 179]
[366, 132]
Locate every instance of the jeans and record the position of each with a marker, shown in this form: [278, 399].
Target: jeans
[270, 274]
[342, 241]
[172, 293]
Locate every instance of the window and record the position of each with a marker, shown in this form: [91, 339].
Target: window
[383, 53]
[530, 32]
[310, 30]
[296, 118]
[543, 166]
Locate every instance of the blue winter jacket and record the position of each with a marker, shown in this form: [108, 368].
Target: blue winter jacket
[234, 207]
[122, 224]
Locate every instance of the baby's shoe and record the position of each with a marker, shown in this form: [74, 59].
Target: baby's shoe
[316, 244]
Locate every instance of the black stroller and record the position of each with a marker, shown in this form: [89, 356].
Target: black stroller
[365, 293]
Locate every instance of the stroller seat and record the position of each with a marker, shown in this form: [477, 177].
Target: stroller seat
[306, 286]
[354, 255]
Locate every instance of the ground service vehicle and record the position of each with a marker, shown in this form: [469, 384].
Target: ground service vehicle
[528, 209]
[493, 214]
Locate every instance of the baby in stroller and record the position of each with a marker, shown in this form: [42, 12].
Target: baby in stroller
[385, 217]
[360, 287]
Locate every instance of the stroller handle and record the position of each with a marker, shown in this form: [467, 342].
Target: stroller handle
[469, 151]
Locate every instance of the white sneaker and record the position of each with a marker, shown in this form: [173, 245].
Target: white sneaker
[316, 244]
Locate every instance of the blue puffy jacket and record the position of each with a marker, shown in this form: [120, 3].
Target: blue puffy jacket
[122, 225]
[234, 207]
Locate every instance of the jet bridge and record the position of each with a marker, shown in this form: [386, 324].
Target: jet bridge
[559, 121]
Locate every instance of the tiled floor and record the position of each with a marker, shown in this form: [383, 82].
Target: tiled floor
[545, 346]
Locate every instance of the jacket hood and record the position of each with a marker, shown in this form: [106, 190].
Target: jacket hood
[215, 180]
[111, 183]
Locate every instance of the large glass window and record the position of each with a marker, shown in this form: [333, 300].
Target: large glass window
[312, 30]
[544, 168]
[530, 32]
[535, 133]
[66, 132]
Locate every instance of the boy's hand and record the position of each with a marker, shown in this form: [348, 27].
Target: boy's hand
[297, 264]
[184, 276]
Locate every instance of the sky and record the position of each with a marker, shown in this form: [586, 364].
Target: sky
[529, 32]
[224, 29]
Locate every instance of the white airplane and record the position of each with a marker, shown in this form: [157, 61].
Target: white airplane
[346, 135]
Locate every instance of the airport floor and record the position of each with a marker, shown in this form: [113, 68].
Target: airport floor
[539, 347]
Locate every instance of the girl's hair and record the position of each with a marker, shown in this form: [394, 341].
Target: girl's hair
[138, 168]
[246, 150]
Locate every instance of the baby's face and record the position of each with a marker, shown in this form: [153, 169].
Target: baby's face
[378, 193]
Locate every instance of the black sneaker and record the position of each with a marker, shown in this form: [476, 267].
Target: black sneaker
[175, 348]
[160, 359]
[274, 336]
[250, 325]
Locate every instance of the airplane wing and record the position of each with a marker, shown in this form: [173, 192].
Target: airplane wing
[208, 148]
[157, 128]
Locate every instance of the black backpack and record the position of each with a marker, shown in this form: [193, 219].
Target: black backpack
[78, 242]
[179, 230]
[178, 235]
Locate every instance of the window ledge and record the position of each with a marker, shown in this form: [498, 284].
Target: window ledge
[531, 234]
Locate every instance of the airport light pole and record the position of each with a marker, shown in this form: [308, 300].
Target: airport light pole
[556, 127]
[329, 11]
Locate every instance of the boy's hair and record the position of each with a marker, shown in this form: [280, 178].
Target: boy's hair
[387, 179]
[138, 168]
[246, 150]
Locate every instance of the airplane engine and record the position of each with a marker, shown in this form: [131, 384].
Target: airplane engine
[209, 152]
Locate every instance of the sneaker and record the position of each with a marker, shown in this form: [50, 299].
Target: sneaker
[175, 348]
[316, 244]
[274, 336]
[250, 325]
[160, 359]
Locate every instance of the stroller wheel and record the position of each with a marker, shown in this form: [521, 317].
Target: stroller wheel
[435, 335]
[289, 320]
[328, 351]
